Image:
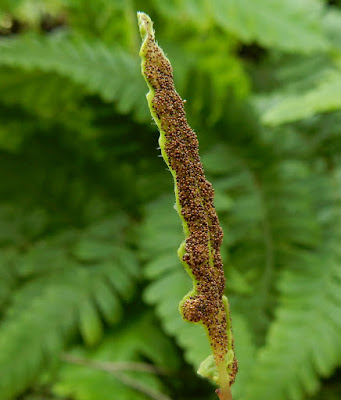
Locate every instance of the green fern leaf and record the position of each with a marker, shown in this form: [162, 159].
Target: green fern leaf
[303, 341]
[133, 343]
[288, 25]
[60, 100]
[87, 64]
[324, 97]
[295, 354]
[90, 324]
[75, 290]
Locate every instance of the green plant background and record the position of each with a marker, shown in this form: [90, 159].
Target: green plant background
[88, 233]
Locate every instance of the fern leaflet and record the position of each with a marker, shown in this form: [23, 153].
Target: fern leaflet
[64, 288]
[87, 64]
[324, 97]
[132, 343]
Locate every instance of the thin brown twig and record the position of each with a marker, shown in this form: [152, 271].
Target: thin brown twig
[133, 383]
[114, 366]
[115, 370]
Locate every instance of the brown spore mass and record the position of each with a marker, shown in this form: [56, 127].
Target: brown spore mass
[195, 196]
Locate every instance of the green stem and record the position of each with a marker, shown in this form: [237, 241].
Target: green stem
[224, 391]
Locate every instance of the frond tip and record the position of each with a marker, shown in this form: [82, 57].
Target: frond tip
[145, 25]
[200, 252]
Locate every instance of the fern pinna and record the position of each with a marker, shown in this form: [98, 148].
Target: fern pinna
[200, 252]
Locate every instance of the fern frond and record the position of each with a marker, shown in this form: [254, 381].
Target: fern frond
[206, 303]
[66, 289]
[20, 87]
[324, 97]
[138, 340]
[286, 25]
[303, 342]
[60, 103]
[112, 74]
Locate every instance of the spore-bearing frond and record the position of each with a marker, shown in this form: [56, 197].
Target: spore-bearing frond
[200, 253]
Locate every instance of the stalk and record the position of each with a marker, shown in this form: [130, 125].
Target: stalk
[224, 391]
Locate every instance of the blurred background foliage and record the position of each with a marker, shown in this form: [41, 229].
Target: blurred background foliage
[89, 277]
